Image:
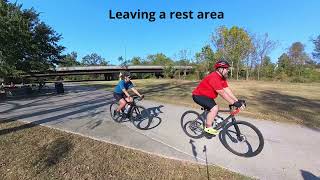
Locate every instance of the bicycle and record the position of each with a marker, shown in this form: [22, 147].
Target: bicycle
[232, 131]
[137, 114]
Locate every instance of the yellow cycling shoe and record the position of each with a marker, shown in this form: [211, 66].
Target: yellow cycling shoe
[212, 131]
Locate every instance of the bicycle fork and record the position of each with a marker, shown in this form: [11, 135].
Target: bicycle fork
[237, 129]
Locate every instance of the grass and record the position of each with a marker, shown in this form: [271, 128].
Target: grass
[277, 101]
[38, 152]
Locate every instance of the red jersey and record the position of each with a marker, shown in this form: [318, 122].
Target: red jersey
[209, 85]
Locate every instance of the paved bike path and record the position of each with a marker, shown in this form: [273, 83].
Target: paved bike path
[290, 152]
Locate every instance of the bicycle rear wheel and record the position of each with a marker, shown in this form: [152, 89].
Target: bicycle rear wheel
[249, 143]
[115, 117]
[140, 117]
[192, 124]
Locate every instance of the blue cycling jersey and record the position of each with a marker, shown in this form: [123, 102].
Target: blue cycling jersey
[123, 85]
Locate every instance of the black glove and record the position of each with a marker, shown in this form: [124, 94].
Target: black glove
[237, 104]
[243, 102]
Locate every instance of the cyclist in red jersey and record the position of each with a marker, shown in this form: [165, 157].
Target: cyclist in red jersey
[213, 84]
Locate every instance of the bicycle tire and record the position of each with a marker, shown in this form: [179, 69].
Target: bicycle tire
[194, 123]
[141, 114]
[246, 154]
[114, 106]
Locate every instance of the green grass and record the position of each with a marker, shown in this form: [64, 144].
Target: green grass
[277, 101]
[38, 152]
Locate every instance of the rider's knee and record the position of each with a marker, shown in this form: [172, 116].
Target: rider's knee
[122, 102]
[215, 109]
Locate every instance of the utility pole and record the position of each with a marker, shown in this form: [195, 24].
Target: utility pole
[125, 53]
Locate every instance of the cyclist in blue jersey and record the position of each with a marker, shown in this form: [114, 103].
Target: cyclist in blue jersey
[120, 92]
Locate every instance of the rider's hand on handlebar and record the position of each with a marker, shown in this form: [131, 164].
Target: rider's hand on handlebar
[240, 104]
[142, 96]
[237, 104]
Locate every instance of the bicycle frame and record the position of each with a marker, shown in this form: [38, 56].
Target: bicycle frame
[224, 122]
[132, 105]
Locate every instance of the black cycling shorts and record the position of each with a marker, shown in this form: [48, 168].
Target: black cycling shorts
[204, 101]
[118, 96]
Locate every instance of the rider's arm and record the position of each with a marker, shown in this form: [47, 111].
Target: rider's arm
[228, 90]
[126, 92]
[231, 95]
[225, 96]
[136, 92]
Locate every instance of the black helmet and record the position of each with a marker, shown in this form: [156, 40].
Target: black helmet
[126, 74]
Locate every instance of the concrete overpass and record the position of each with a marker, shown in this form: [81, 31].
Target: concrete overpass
[109, 72]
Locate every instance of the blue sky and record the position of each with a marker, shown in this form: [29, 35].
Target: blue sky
[86, 28]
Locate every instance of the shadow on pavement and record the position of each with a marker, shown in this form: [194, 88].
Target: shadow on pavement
[151, 118]
[74, 108]
[148, 119]
[194, 151]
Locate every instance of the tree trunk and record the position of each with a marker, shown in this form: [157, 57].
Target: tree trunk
[231, 69]
[247, 70]
[247, 74]
[238, 64]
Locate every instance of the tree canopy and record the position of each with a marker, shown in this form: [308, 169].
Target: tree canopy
[93, 60]
[26, 43]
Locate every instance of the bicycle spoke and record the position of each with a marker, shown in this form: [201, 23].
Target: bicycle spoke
[192, 125]
[117, 118]
[141, 118]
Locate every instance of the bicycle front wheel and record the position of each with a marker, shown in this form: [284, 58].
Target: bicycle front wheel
[192, 124]
[248, 143]
[140, 117]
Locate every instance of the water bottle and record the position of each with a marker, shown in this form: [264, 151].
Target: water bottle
[127, 109]
[219, 119]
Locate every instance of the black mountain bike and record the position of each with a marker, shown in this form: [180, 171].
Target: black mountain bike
[138, 115]
[239, 137]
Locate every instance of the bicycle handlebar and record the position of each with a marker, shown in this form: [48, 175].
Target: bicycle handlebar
[137, 98]
[237, 110]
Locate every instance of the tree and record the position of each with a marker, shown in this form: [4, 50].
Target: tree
[284, 64]
[93, 60]
[298, 56]
[205, 61]
[316, 53]
[267, 68]
[136, 61]
[182, 60]
[162, 60]
[69, 60]
[159, 59]
[234, 44]
[26, 43]
[123, 62]
[252, 59]
[263, 46]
